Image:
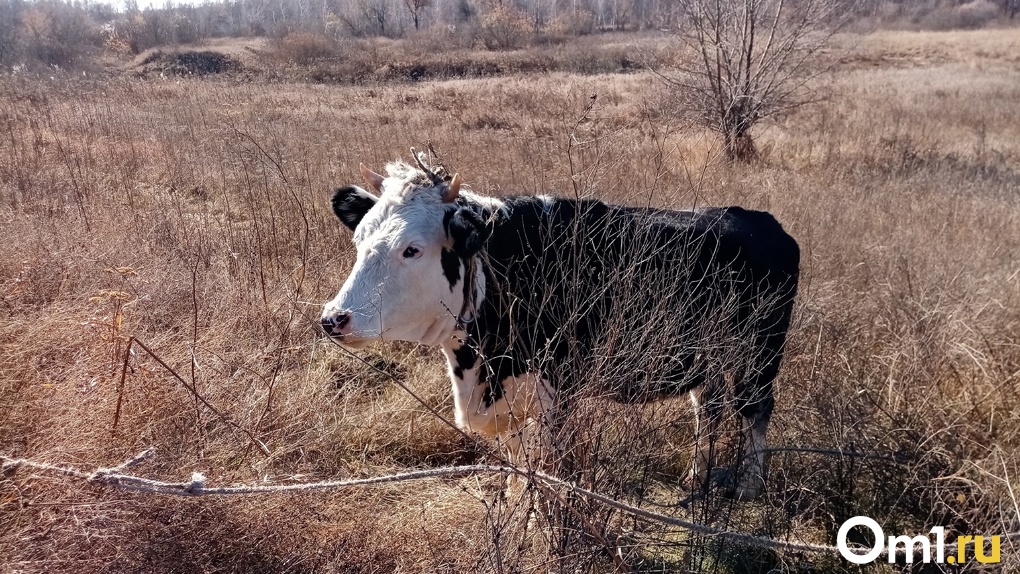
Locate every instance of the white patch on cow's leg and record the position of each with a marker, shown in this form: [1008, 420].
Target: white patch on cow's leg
[520, 418]
[707, 399]
[752, 465]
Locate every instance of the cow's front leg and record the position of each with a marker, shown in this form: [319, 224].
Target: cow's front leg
[516, 408]
[529, 444]
[529, 406]
[708, 400]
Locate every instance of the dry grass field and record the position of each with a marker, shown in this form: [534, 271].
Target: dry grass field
[192, 215]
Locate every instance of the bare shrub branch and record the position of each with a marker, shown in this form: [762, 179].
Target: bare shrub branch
[738, 62]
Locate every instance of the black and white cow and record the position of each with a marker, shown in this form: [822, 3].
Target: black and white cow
[519, 291]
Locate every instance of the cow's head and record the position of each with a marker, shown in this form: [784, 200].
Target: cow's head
[414, 241]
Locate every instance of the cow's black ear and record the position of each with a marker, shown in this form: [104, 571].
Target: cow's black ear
[468, 231]
[351, 203]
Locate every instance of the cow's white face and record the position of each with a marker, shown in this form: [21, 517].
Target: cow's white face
[407, 283]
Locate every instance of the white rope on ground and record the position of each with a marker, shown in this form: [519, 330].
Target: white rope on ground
[196, 487]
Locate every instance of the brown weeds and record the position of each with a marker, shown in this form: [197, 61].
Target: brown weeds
[193, 216]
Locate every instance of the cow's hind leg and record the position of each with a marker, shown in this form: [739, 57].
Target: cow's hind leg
[754, 404]
[753, 378]
[751, 475]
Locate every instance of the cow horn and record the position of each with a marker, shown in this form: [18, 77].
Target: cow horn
[373, 179]
[453, 191]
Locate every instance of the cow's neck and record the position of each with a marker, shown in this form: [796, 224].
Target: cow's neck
[473, 290]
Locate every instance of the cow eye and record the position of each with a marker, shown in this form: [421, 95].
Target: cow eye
[411, 252]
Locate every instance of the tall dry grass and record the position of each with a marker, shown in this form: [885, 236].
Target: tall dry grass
[192, 215]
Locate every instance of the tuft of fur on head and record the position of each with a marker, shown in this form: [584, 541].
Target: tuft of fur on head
[405, 182]
[403, 179]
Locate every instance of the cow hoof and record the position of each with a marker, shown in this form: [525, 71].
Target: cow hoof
[708, 481]
[742, 487]
[749, 487]
[724, 481]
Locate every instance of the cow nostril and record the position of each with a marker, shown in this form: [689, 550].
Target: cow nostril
[327, 325]
[334, 325]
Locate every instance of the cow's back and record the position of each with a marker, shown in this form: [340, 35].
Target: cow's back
[625, 291]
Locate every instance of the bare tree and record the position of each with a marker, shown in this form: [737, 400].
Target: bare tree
[10, 21]
[504, 27]
[376, 12]
[57, 33]
[1010, 7]
[416, 8]
[741, 61]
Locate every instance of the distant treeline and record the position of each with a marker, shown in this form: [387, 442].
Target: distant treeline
[69, 33]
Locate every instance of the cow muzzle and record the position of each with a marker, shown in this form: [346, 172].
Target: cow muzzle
[338, 325]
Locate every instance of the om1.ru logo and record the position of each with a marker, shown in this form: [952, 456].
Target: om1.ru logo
[909, 544]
